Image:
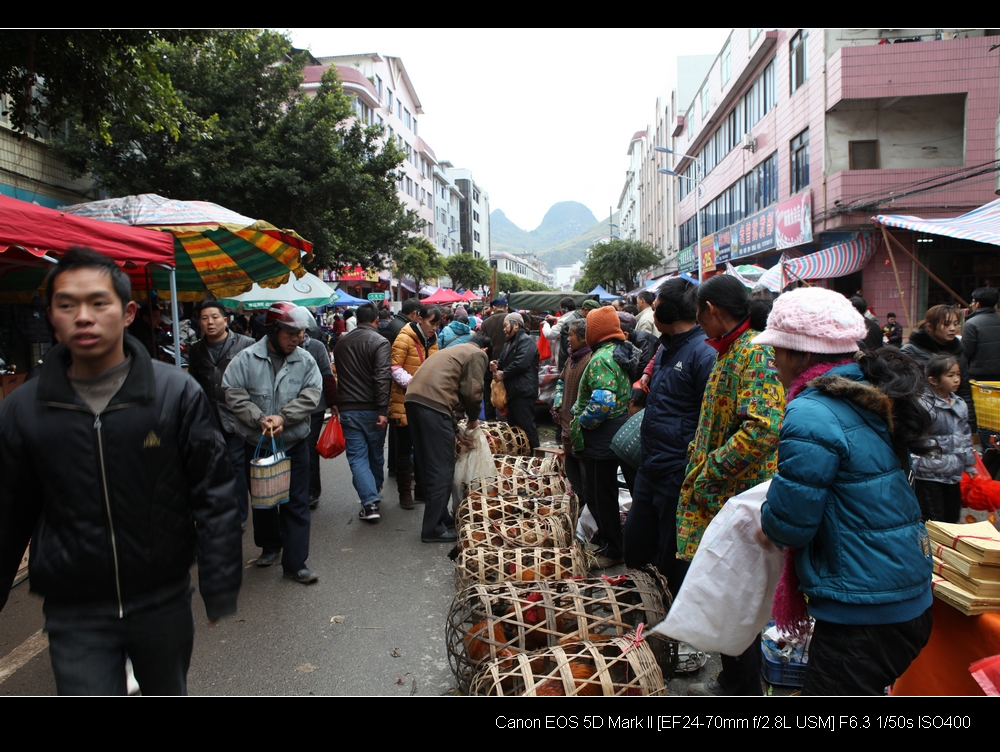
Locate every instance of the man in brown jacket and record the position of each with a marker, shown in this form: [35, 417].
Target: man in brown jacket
[450, 381]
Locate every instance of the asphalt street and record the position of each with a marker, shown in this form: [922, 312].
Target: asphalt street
[374, 624]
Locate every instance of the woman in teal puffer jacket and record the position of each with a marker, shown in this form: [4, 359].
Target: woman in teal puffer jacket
[841, 500]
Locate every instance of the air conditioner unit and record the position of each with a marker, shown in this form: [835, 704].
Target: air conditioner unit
[749, 142]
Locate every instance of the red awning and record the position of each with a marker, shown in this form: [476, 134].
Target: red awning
[42, 231]
[444, 295]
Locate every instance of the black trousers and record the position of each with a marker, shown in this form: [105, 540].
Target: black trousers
[600, 491]
[433, 435]
[941, 502]
[847, 659]
[521, 413]
[287, 525]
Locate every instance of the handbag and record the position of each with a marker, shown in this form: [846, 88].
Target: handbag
[270, 477]
[626, 443]
[331, 442]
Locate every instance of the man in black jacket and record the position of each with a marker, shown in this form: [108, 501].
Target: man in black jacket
[112, 467]
[207, 362]
[981, 342]
[364, 363]
[517, 368]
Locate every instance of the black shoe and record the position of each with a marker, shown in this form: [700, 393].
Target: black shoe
[267, 558]
[449, 536]
[313, 502]
[305, 576]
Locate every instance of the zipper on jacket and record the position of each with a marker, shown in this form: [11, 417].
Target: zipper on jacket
[107, 506]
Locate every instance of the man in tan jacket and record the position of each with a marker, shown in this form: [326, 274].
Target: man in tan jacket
[450, 381]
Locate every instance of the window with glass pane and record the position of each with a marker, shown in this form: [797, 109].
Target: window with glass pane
[800, 161]
[797, 60]
[726, 63]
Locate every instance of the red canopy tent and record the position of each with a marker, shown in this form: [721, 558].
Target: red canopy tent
[443, 295]
[30, 235]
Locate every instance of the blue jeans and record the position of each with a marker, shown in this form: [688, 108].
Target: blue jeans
[365, 453]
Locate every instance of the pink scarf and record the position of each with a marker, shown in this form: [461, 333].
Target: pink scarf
[789, 609]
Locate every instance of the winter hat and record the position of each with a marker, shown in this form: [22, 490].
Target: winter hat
[627, 321]
[813, 320]
[515, 317]
[591, 305]
[602, 324]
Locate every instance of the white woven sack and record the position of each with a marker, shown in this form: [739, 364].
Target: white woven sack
[727, 593]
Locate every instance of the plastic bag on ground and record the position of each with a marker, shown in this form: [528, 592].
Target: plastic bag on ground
[727, 593]
[472, 462]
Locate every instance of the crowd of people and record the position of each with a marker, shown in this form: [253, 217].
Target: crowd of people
[721, 392]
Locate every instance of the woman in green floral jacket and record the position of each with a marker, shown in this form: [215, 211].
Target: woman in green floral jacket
[601, 408]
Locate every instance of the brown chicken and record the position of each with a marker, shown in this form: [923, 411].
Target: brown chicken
[582, 688]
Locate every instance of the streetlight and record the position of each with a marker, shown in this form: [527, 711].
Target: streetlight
[697, 198]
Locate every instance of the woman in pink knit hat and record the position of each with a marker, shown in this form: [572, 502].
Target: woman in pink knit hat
[840, 504]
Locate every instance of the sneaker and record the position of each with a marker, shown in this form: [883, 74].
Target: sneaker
[369, 513]
[711, 688]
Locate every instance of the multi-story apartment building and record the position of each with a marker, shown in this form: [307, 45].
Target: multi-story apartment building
[474, 212]
[525, 265]
[384, 95]
[802, 135]
[447, 210]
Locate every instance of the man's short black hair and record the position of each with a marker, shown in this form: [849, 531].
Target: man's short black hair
[366, 313]
[567, 304]
[87, 258]
[480, 341]
[647, 296]
[987, 297]
[213, 304]
[410, 305]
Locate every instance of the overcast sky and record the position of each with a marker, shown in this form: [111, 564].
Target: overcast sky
[539, 116]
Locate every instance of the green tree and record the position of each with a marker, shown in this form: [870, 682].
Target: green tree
[95, 78]
[467, 271]
[617, 264]
[270, 153]
[420, 260]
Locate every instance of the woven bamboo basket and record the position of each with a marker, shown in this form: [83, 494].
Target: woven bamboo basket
[510, 465]
[504, 438]
[486, 565]
[550, 531]
[473, 509]
[487, 622]
[269, 482]
[531, 486]
[615, 667]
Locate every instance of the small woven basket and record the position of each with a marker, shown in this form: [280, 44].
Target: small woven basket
[487, 622]
[504, 438]
[486, 565]
[270, 477]
[616, 667]
[549, 531]
[475, 509]
[532, 486]
[510, 465]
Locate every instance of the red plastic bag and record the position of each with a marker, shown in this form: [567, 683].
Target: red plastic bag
[544, 349]
[981, 492]
[331, 442]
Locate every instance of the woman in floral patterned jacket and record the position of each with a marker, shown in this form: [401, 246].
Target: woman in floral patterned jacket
[736, 446]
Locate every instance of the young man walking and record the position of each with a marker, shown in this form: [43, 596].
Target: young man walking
[112, 466]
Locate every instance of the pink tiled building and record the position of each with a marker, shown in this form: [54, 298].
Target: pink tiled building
[804, 134]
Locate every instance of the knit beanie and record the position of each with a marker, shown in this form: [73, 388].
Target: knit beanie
[602, 324]
[591, 305]
[515, 317]
[813, 320]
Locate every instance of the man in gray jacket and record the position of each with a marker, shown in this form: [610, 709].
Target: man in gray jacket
[272, 388]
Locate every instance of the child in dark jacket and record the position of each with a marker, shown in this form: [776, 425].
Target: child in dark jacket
[938, 473]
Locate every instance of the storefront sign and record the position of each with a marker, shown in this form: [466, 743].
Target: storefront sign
[708, 253]
[686, 260]
[794, 221]
[722, 246]
[353, 274]
[753, 235]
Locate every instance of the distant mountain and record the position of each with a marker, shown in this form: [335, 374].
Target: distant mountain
[564, 235]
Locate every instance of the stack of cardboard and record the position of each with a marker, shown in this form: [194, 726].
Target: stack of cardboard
[966, 566]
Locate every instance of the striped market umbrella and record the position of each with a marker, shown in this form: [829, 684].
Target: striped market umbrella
[214, 248]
